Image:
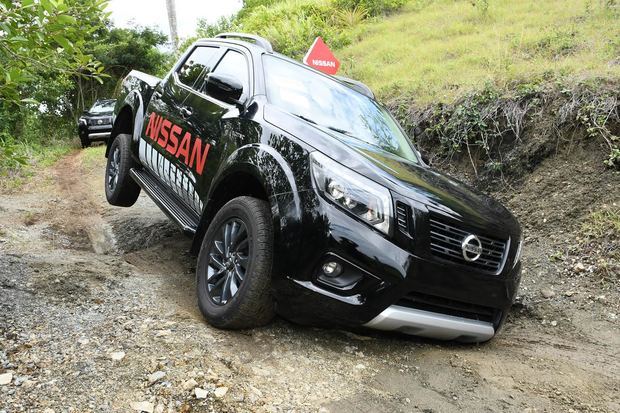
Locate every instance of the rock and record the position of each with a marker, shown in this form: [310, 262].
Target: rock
[6, 378]
[190, 384]
[547, 293]
[200, 393]
[360, 367]
[154, 377]
[554, 323]
[117, 355]
[221, 392]
[601, 299]
[28, 384]
[146, 407]
[83, 341]
[159, 408]
[569, 293]
[579, 267]
[163, 333]
[48, 410]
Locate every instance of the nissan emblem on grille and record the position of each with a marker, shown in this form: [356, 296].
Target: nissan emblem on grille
[472, 248]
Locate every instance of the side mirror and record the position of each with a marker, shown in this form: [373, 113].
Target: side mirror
[224, 88]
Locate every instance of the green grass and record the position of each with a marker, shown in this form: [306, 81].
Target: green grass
[436, 51]
[93, 157]
[604, 222]
[35, 157]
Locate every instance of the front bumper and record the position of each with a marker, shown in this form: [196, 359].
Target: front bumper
[95, 132]
[432, 325]
[401, 286]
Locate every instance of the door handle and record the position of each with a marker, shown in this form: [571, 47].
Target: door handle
[186, 112]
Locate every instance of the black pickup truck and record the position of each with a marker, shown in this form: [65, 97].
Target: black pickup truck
[304, 197]
[95, 124]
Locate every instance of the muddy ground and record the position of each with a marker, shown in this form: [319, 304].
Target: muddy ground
[98, 314]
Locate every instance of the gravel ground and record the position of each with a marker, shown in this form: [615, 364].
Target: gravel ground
[98, 314]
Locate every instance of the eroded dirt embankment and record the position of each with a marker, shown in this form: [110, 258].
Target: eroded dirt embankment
[98, 313]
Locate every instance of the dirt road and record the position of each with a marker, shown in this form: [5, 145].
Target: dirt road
[98, 314]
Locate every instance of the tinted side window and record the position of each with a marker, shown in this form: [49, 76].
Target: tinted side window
[234, 65]
[195, 64]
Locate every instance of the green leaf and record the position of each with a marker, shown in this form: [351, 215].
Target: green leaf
[66, 19]
[63, 42]
[47, 5]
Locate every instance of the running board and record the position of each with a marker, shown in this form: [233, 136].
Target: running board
[185, 218]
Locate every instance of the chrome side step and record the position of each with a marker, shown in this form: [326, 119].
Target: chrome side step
[184, 217]
[432, 325]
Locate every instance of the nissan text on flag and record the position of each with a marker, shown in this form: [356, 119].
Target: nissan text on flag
[303, 197]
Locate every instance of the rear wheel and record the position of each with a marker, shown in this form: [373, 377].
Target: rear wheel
[234, 266]
[120, 188]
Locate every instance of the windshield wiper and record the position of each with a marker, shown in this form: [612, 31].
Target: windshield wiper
[344, 132]
[305, 118]
[335, 129]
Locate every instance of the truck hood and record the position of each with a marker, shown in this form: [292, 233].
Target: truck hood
[421, 184]
[440, 192]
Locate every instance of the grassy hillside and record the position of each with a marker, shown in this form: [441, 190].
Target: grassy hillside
[434, 51]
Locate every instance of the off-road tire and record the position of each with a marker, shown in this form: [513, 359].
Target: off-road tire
[252, 305]
[125, 191]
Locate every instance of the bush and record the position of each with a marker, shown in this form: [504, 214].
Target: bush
[292, 25]
[373, 7]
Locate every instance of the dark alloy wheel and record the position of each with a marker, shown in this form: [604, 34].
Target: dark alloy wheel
[120, 188]
[228, 261]
[113, 168]
[233, 275]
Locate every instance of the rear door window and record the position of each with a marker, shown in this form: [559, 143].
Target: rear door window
[197, 65]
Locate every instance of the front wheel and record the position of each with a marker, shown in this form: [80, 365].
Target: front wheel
[120, 188]
[85, 141]
[234, 266]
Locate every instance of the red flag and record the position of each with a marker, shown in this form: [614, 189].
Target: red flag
[321, 58]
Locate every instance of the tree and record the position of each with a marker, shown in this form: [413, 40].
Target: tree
[172, 20]
[45, 37]
[121, 50]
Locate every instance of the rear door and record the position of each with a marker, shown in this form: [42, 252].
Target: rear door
[212, 119]
[167, 137]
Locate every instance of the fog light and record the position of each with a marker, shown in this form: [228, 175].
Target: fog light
[332, 269]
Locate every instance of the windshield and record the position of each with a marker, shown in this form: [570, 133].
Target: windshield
[320, 100]
[103, 106]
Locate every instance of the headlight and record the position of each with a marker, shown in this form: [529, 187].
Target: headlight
[352, 192]
[519, 251]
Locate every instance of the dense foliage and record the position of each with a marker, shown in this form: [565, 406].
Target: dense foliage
[292, 25]
[56, 58]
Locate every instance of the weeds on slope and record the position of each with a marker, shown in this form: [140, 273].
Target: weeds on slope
[506, 133]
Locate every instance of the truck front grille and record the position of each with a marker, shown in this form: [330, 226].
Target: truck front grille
[446, 243]
[100, 121]
[455, 308]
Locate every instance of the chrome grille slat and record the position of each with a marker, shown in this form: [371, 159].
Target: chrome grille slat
[402, 217]
[446, 240]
